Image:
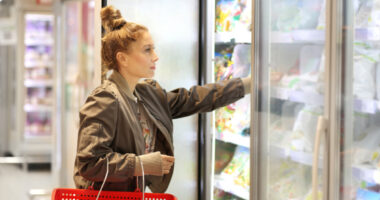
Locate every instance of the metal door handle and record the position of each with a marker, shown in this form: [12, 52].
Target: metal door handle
[321, 130]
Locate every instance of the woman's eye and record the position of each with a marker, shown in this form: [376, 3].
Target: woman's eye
[148, 50]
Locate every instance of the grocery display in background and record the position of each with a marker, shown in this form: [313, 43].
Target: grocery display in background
[233, 15]
[38, 74]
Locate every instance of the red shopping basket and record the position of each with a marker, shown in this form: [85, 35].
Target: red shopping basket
[88, 194]
[91, 194]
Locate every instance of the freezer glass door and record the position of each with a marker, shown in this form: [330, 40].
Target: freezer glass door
[290, 97]
[230, 124]
[360, 150]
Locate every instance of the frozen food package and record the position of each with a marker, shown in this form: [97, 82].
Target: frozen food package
[241, 60]
[310, 58]
[283, 175]
[375, 14]
[288, 111]
[364, 149]
[223, 65]
[374, 120]
[309, 195]
[224, 152]
[322, 17]
[310, 78]
[238, 163]
[233, 15]
[288, 15]
[361, 123]
[364, 71]
[363, 13]
[306, 125]
[234, 118]
[378, 80]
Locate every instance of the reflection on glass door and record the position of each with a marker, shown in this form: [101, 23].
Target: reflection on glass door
[291, 90]
[361, 94]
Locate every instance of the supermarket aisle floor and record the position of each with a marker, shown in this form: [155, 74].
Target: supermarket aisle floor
[15, 182]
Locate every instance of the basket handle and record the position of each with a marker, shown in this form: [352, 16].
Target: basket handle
[104, 181]
[143, 180]
[137, 180]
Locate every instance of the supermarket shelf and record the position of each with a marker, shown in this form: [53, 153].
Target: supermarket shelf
[47, 42]
[305, 158]
[38, 83]
[297, 96]
[362, 172]
[296, 36]
[360, 105]
[237, 139]
[226, 184]
[26, 159]
[318, 36]
[38, 64]
[37, 108]
[366, 106]
[367, 34]
[236, 37]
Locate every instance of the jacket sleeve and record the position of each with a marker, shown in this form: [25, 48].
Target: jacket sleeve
[98, 118]
[183, 102]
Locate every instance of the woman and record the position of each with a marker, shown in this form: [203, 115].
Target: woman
[125, 122]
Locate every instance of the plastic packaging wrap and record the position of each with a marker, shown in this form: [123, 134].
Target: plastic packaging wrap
[288, 15]
[365, 149]
[306, 126]
[364, 71]
[233, 15]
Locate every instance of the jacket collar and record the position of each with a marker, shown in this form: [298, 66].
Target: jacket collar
[122, 83]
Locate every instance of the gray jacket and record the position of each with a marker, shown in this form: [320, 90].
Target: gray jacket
[109, 129]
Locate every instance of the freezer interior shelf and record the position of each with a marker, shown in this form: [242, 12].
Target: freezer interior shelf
[310, 98]
[234, 138]
[226, 184]
[361, 172]
[38, 64]
[297, 96]
[36, 108]
[38, 83]
[42, 137]
[296, 36]
[305, 158]
[318, 36]
[47, 42]
[235, 37]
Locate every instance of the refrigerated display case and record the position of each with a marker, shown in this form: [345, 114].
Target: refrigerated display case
[290, 95]
[36, 92]
[360, 101]
[316, 106]
[231, 58]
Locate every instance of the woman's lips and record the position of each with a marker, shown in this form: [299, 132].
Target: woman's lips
[153, 67]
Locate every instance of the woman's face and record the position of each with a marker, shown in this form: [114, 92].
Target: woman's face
[140, 60]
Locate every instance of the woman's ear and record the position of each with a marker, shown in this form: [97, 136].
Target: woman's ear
[121, 58]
